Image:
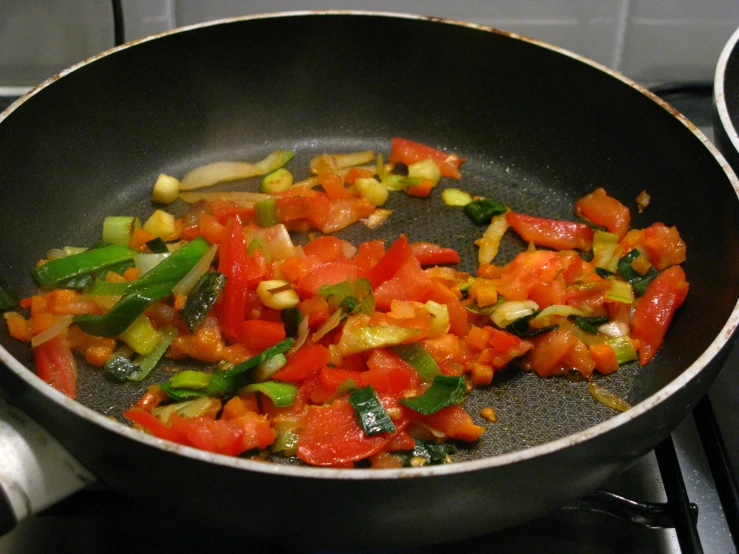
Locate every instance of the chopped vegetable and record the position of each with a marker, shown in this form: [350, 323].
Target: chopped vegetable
[483, 210]
[202, 299]
[445, 390]
[334, 352]
[371, 414]
[8, 298]
[166, 189]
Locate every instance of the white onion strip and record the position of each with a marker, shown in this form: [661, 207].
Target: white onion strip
[189, 281]
[58, 328]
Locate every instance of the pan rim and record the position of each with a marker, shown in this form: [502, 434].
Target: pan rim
[299, 471]
[719, 91]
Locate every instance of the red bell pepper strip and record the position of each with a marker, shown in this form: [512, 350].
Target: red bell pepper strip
[432, 254]
[56, 365]
[605, 211]
[305, 363]
[258, 335]
[391, 262]
[654, 312]
[153, 425]
[552, 233]
[233, 264]
[409, 152]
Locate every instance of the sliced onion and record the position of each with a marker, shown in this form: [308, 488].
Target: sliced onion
[59, 327]
[348, 249]
[614, 329]
[376, 218]
[489, 243]
[276, 239]
[188, 282]
[510, 311]
[301, 337]
[330, 324]
[145, 262]
[210, 174]
[240, 198]
[604, 396]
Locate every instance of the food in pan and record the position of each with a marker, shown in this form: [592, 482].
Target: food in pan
[336, 353]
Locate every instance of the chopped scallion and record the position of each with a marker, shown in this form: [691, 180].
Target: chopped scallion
[371, 414]
[446, 390]
[483, 210]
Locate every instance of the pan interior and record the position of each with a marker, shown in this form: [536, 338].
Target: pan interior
[539, 129]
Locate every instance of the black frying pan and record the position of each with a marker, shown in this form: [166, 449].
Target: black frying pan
[540, 128]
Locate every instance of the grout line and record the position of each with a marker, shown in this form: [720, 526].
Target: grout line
[622, 28]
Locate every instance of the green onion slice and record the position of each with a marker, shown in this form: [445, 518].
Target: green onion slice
[416, 355]
[371, 414]
[446, 390]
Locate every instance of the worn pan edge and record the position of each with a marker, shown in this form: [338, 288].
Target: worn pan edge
[690, 373]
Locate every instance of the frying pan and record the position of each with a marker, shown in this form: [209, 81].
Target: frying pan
[540, 127]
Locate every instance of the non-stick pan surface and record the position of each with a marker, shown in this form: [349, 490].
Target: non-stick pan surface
[540, 128]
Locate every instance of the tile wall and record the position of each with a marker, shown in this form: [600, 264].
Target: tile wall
[648, 40]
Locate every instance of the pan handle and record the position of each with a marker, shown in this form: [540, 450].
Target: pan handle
[35, 470]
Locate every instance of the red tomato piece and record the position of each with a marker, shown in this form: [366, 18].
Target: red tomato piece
[655, 310]
[219, 436]
[258, 335]
[331, 436]
[333, 184]
[368, 254]
[549, 352]
[409, 283]
[552, 233]
[332, 377]
[325, 249]
[224, 210]
[391, 262]
[605, 211]
[331, 273]
[256, 431]
[455, 423]
[432, 254]
[305, 363]
[212, 230]
[458, 315]
[56, 365]
[357, 173]
[409, 152]
[311, 210]
[663, 246]
[506, 347]
[344, 212]
[422, 189]
[526, 269]
[154, 426]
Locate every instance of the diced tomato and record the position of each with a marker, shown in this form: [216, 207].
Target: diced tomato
[223, 210]
[219, 436]
[526, 269]
[258, 335]
[409, 152]
[455, 423]
[325, 249]
[331, 436]
[552, 233]
[316, 309]
[333, 184]
[432, 254]
[331, 273]
[153, 425]
[368, 254]
[294, 268]
[391, 262]
[663, 246]
[56, 365]
[357, 173]
[605, 211]
[233, 264]
[212, 230]
[389, 374]
[311, 209]
[422, 189]
[506, 347]
[655, 310]
[409, 283]
[550, 350]
[344, 212]
[458, 315]
[332, 377]
[548, 293]
[257, 432]
[305, 363]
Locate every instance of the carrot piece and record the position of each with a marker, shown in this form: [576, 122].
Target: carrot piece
[41, 322]
[98, 353]
[18, 327]
[605, 358]
[422, 189]
[478, 338]
[131, 273]
[139, 238]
